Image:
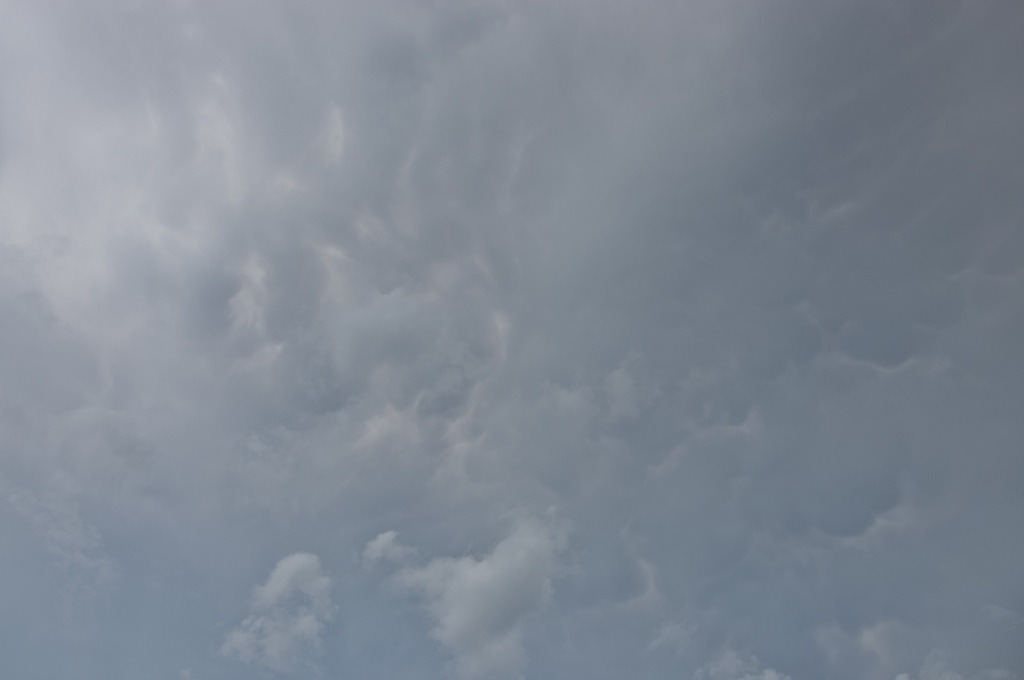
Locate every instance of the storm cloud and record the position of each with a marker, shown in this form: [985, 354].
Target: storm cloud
[512, 339]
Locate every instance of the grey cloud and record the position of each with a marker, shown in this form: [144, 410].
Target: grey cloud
[936, 667]
[290, 612]
[479, 604]
[75, 545]
[386, 546]
[736, 286]
[730, 667]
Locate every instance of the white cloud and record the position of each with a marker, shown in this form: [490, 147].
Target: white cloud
[386, 546]
[290, 612]
[480, 605]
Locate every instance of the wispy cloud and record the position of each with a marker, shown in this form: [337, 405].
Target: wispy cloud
[290, 612]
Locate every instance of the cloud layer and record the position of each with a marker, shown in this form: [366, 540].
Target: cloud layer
[680, 339]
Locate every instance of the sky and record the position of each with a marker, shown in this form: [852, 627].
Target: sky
[512, 339]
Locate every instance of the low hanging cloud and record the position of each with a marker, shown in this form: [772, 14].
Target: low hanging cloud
[479, 605]
[737, 285]
[290, 612]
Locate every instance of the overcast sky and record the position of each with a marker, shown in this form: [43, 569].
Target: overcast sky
[512, 339]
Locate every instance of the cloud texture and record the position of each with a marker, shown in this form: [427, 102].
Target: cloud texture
[289, 614]
[681, 339]
[479, 604]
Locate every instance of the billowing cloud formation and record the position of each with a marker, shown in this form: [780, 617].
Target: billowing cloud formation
[290, 611]
[479, 604]
[737, 286]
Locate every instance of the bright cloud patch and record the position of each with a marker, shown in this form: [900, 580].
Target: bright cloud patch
[479, 605]
[386, 547]
[290, 612]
